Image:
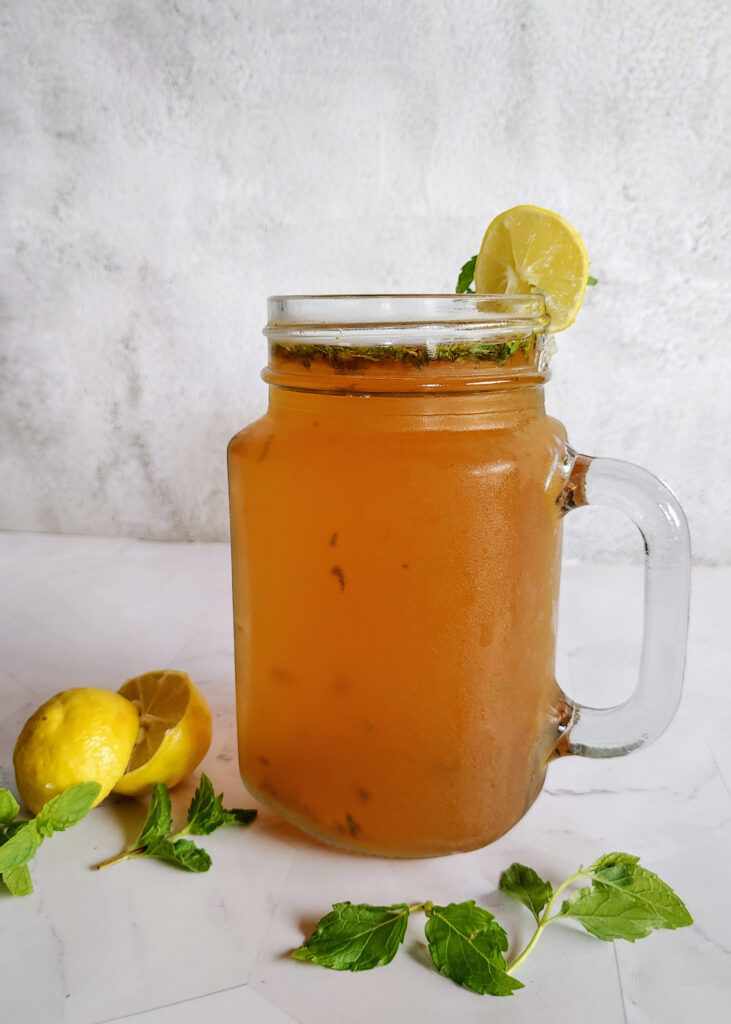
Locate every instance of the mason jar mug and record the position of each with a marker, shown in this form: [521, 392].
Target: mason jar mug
[396, 522]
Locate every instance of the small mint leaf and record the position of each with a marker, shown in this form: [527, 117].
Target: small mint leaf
[18, 881]
[207, 813]
[20, 847]
[9, 807]
[159, 818]
[239, 816]
[525, 885]
[356, 937]
[591, 281]
[183, 853]
[67, 808]
[466, 276]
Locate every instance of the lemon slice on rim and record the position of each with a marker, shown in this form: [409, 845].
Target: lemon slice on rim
[527, 250]
[174, 734]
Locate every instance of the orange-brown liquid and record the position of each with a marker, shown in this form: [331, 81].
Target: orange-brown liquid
[396, 570]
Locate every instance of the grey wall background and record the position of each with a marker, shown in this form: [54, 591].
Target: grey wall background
[166, 165]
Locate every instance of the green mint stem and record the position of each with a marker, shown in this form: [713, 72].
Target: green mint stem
[544, 920]
[416, 907]
[132, 852]
[137, 851]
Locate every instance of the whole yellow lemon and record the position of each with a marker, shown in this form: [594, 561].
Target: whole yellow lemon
[80, 735]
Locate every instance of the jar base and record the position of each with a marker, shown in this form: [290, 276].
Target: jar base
[352, 844]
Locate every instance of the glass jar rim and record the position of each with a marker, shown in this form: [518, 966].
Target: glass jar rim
[345, 319]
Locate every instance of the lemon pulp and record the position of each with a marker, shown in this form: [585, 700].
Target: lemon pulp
[174, 730]
[526, 250]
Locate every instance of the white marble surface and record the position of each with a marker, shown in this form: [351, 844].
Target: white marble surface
[164, 166]
[144, 942]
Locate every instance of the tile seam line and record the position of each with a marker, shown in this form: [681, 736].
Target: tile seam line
[718, 769]
[176, 1002]
[619, 979]
[229, 988]
[273, 914]
[295, 1020]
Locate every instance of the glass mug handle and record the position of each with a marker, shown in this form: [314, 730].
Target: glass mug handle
[614, 731]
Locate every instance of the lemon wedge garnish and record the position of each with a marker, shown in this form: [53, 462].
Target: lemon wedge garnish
[527, 250]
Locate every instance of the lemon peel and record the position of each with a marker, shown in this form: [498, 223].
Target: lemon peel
[174, 733]
[82, 734]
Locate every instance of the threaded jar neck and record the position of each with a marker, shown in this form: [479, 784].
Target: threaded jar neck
[405, 343]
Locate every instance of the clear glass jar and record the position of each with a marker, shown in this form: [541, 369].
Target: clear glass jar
[396, 540]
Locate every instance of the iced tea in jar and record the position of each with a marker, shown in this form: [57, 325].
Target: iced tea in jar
[396, 541]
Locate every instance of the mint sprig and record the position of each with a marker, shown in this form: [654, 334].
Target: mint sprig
[19, 840]
[159, 820]
[622, 901]
[207, 813]
[157, 838]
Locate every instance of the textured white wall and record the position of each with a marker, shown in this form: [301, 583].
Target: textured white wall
[165, 166]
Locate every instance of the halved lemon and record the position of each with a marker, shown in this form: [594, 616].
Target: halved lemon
[174, 734]
[527, 250]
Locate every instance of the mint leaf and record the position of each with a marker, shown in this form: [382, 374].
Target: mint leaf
[625, 901]
[20, 847]
[207, 813]
[356, 937]
[644, 888]
[591, 281]
[466, 276]
[183, 852]
[610, 915]
[610, 859]
[9, 807]
[239, 816]
[526, 886]
[467, 945]
[14, 877]
[67, 808]
[159, 818]
[18, 881]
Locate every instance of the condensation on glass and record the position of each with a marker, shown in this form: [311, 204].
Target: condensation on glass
[396, 527]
